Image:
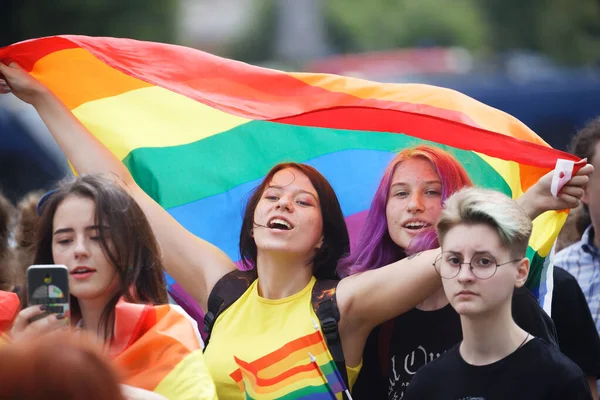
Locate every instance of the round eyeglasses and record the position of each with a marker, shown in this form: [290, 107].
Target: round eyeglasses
[482, 265]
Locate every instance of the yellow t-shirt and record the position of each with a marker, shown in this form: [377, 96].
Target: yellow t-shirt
[262, 348]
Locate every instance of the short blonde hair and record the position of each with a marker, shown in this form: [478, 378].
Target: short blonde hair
[482, 206]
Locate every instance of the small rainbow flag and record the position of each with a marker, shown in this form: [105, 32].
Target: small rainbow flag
[199, 131]
[290, 373]
[158, 348]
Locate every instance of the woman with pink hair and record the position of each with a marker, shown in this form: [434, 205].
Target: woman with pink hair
[401, 222]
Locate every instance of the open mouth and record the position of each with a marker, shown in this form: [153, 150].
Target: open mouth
[416, 225]
[280, 224]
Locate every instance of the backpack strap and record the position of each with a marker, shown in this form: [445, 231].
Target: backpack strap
[384, 341]
[225, 292]
[325, 305]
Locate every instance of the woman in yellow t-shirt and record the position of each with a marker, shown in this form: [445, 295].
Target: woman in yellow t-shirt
[267, 343]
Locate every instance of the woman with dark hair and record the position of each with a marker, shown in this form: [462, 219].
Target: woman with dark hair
[268, 342]
[92, 224]
[334, 243]
[401, 222]
[118, 293]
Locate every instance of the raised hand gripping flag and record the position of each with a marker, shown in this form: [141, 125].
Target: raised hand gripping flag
[198, 131]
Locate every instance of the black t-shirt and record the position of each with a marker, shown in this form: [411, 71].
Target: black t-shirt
[398, 348]
[535, 371]
[417, 338]
[577, 335]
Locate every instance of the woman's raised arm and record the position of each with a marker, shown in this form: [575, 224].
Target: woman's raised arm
[372, 297]
[194, 263]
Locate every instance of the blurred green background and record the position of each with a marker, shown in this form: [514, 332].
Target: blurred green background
[251, 30]
[537, 60]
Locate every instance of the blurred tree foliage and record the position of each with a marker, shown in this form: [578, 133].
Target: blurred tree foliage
[568, 32]
[357, 25]
[258, 42]
[139, 19]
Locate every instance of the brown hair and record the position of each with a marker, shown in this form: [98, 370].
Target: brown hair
[583, 144]
[133, 251]
[7, 273]
[25, 229]
[336, 241]
[56, 367]
[27, 219]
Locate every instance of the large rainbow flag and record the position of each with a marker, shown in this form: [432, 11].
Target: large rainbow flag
[198, 131]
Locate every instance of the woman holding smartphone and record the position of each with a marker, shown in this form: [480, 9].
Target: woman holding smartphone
[118, 294]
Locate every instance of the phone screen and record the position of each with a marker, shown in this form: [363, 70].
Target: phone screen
[48, 285]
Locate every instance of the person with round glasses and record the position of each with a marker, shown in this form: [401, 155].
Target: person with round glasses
[400, 224]
[483, 236]
[483, 265]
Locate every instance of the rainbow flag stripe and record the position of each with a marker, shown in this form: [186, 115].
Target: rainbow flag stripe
[288, 373]
[158, 348]
[198, 131]
[9, 308]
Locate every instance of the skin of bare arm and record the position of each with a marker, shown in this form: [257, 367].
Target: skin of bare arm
[196, 264]
[372, 297]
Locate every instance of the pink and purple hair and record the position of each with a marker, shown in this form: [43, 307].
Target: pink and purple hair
[375, 247]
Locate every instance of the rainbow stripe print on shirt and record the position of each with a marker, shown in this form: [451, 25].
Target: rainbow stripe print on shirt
[289, 372]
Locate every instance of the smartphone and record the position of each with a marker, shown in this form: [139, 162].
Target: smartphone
[48, 285]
